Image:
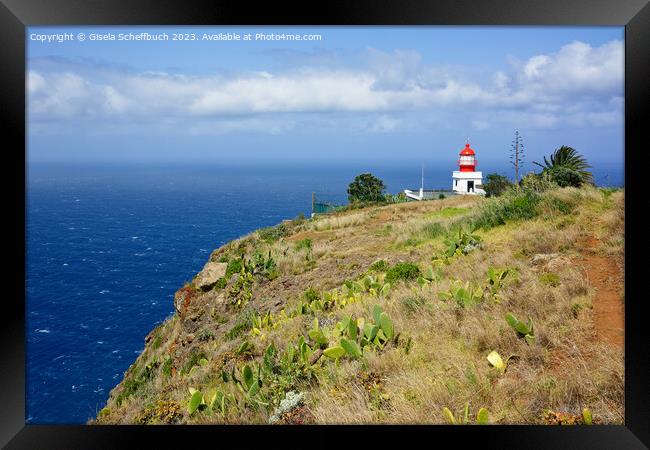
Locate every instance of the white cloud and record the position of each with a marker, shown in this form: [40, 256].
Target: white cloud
[534, 66]
[577, 68]
[304, 92]
[579, 85]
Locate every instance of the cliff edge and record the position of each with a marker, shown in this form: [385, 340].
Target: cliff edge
[464, 309]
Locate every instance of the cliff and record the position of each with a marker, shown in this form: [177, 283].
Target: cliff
[421, 312]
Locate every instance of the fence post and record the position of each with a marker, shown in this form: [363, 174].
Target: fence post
[313, 199]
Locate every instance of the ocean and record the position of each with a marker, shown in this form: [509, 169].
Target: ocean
[107, 247]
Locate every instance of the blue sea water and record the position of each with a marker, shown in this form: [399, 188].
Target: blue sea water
[107, 248]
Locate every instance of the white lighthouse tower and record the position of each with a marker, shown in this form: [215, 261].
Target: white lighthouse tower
[467, 180]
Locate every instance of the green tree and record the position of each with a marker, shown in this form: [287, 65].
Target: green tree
[567, 167]
[496, 185]
[366, 188]
[565, 176]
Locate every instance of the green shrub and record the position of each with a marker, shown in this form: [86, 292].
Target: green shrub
[441, 196]
[565, 176]
[517, 204]
[549, 279]
[402, 271]
[221, 283]
[608, 191]
[559, 205]
[195, 357]
[496, 185]
[433, 230]
[243, 324]
[259, 264]
[129, 387]
[234, 266]
[537, 182]
[272, 234]
[379, 266]
[311, 295]
[132, 384]
[304, 244]
[575, 309]
[524, 206]
[167, 367]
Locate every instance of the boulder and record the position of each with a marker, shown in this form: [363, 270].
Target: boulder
[549, 261]
[543, 258]
[210, 274]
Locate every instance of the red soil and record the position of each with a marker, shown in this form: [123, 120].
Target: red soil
[608, 306]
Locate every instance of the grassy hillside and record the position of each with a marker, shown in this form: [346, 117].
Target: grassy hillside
[388, 315]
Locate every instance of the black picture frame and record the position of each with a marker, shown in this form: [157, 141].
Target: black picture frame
[16, 15]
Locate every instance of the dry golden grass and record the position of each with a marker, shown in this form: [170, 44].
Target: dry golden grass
[566, 369]
[339, 220]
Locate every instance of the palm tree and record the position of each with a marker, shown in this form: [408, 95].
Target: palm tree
[568, 158]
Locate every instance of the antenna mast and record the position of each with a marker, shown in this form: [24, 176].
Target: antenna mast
[422, 182]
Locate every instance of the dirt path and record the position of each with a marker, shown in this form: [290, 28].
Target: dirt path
[606, 278]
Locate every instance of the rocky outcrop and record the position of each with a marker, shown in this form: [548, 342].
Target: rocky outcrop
[549, 261]
[210, 274]
[182, 298]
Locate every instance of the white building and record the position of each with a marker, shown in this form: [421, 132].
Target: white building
[467, 180]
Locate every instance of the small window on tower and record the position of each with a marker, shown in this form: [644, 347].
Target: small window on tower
[455, 182]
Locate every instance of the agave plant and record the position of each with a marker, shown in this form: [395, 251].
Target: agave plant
[568, 158]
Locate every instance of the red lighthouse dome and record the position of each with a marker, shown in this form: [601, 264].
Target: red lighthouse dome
[467, 161]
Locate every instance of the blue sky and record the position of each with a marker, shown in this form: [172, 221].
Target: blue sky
[399, 95]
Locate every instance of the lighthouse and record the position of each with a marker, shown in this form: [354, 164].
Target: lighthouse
[467, 180]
